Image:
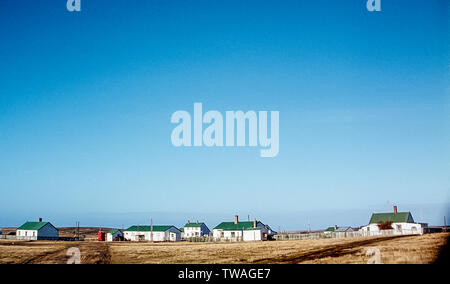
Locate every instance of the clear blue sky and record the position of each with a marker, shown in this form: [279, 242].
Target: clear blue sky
[86, 100]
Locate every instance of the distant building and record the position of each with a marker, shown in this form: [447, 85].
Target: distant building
[337, 229]
[114, 235]
[37, 231]
[344, 230]
[401, 223]
[192, 230]
[243, 231]
[331, 229]
[436, 229]
[153, 234]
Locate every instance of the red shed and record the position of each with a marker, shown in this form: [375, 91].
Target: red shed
[101, 236]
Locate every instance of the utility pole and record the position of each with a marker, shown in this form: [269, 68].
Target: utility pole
[151, 230]
[309, 225]
[445, 224]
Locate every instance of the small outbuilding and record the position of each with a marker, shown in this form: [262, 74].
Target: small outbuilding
[114, 235]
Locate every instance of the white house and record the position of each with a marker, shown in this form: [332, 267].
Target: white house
[397, 223]
[242, 231]
[192, 230]
[113, 235]
[37, 231]
[152, 234]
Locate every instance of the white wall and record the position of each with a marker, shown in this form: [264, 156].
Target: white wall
[253, 235]
[27, 233]
[221, 234]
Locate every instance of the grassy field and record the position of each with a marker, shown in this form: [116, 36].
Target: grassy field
[406, 249]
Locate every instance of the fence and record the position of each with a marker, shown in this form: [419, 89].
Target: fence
[206, 239]
[23, 238]
[339, 235]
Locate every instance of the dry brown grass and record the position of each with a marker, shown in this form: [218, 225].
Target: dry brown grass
[12, 252]
[410, 249]
[43, 252]
[407, 250]
[414, 249]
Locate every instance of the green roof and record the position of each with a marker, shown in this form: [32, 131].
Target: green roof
[32, 226]
[231, 226]
[149, 229]
[401, 217]
[195, 225]
[330, 229]
[112, 232]
[181, 229]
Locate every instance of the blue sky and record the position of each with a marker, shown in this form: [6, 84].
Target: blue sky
[86, 100]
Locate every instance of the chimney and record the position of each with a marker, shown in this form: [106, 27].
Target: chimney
[395, 209]
[188, 222]
[40, 220]
[254, 224]
[236, 219]
[335, 227]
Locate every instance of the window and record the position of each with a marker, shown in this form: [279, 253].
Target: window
[233, 234]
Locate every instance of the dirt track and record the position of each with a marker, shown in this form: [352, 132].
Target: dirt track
[329, 251]
[91, 253]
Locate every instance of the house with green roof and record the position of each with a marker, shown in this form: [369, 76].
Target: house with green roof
[195, 230]
[398, 223]
[37, 231]
[242, 231]
[152, 233]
